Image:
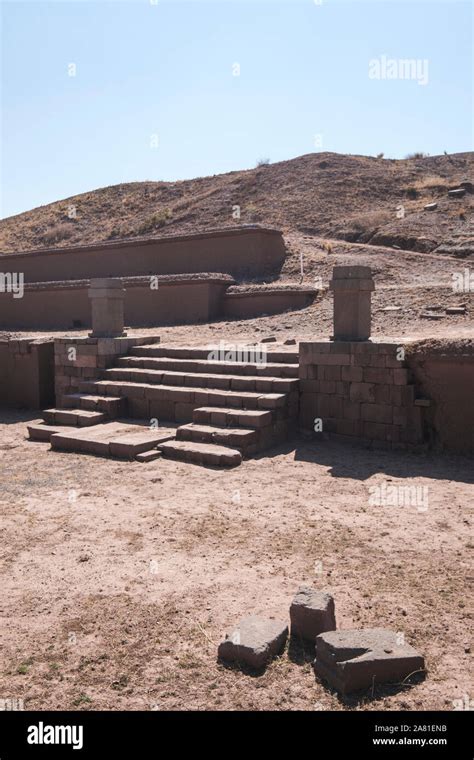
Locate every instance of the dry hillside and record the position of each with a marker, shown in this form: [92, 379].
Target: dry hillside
[353, 198]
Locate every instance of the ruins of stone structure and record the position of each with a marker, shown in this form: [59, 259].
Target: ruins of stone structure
[208, 406]
[216, 409]
[170, 280]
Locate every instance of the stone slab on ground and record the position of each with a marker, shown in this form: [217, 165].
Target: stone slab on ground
[40, 431]
[148, 456]
[356, 660]
[311, 613]
[254, 642]
[202, 453]
[119, 439]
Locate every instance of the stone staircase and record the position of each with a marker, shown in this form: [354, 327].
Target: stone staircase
[229, 410]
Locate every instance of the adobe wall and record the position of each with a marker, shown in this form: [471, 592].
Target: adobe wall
[65, 305]
[360, 391]
[254, 303]
[241, 252]
[444, 373]
[26, 373]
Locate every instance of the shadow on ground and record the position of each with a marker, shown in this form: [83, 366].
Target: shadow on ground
[347, 461]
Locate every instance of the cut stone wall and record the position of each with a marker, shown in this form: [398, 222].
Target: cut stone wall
[26, 373]
[359, 391]
[80, 359]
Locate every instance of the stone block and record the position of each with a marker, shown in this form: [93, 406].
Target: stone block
[350, 410]
[356, 660]
[254, 642]
[400, 376]
[362, 392]
[377, 413]
[378, 375]
[311, 613]
[352, 374]
[332, 372]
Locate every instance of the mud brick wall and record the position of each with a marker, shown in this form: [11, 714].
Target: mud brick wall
[80, 359]
[359, 390]
[26, 373]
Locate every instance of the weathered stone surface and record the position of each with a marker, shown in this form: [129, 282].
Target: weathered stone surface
[355, 660]
[311, 613]
[148, 456]
[254, 642]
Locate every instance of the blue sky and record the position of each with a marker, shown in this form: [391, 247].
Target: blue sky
[167, 70]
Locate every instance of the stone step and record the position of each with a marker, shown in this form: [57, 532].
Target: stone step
[213, 415]
[114, 439]
[239, 438]
[167, 364]
[207, 352]
[40, 431]
[112, 406]
[220, 381]
[201, 453]
[73, 417]
[187, 395]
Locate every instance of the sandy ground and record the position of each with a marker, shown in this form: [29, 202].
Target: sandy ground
[119, 579]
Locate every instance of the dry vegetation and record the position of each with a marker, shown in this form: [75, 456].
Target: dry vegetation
[323, 194]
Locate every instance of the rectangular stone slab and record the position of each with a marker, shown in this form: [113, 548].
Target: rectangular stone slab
[355, 660]
[254, 642]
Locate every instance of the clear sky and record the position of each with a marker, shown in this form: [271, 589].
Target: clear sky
[155, 94]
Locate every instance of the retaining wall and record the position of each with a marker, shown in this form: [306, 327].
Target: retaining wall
[444, 373]
[26, 373]
[254, 303]
[359, 391]
[240, 252]
[177, 300]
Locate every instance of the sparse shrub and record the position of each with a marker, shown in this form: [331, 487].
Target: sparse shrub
[154, 221]
[380, 155]
[56, 234]
[252, 211]
[82, 699]
[411, 192]
[263, 162]
[370, 221]
[418, 154]
[431, 182]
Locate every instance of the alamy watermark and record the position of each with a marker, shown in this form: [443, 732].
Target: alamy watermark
[388, 494]
[414, 69]
[12, 282]
[12, 704]
[462, 282]
[237, 353]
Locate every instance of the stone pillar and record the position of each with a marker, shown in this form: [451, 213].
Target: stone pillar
[107, 295]
[352, 287]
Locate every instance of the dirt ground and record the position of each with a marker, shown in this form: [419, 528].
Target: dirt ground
[119, 579]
